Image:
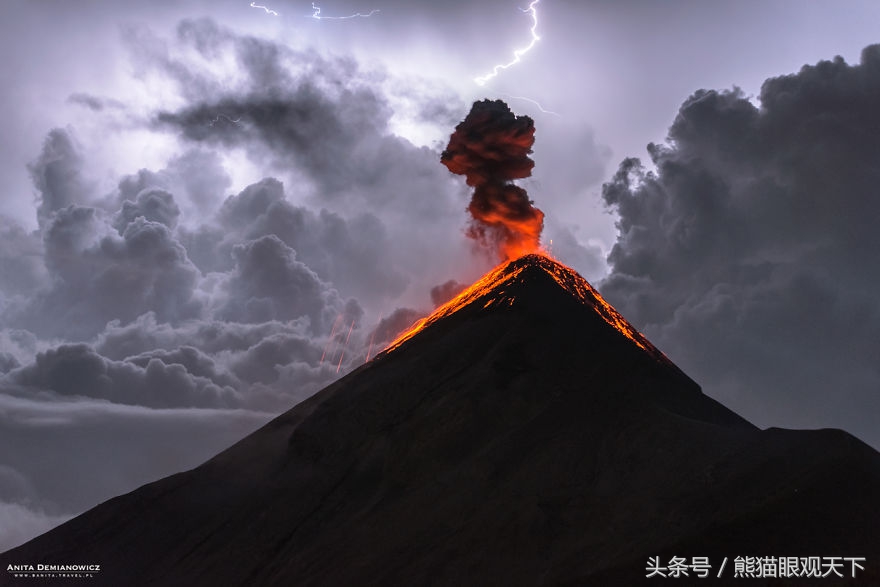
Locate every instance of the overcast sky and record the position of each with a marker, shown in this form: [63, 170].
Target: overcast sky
[202, 201]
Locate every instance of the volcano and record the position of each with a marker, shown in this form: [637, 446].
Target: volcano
[524, 434]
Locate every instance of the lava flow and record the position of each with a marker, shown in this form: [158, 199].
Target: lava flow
[491, 290]
[490, 147]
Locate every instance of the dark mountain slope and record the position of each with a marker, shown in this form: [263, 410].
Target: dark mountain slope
[526, 435]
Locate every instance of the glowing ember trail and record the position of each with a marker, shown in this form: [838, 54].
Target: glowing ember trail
[494, 279]
[344, 345]
[492, 290]
[330, 338]
[372, 338]
[491, 148]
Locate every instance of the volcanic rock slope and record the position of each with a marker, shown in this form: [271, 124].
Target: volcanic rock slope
[526, 435]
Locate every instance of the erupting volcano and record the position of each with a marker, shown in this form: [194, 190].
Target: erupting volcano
[491, 148]
[525, 435]
[493, 289]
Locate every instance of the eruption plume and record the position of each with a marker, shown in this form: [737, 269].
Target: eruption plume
[491, 148]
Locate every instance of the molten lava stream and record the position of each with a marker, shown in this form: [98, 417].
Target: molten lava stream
[566, 277]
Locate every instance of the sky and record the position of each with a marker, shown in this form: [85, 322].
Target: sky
[212, 210]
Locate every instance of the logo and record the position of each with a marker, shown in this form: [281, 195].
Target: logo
[53, 571]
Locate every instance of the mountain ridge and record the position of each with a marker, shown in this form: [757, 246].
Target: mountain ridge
[493, 288]
[523, 443]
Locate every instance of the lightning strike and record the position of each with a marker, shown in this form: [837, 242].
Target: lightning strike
[535, 102]
[268, 10]
[519, 52]
[219, 116]
[316, 14]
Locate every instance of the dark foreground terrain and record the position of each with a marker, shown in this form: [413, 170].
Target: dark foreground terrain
[526, 437]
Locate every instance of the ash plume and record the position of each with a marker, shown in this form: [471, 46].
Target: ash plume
[491, 148]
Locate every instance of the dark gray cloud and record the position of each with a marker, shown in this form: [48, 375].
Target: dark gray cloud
[269, 283]
[14, 486]
[319, 119]
[99, 276]
[131, 185]
[158, 381]
[395, 323]
[351, 253]
[323, 125]
[167, 301]
[8, 362]
[20, 522]
[588, 258]
[202, 178]
[21, 260]
[58, 176]
[195, 362]
[86, 272]
[22, 345]
[190, 187]
[440, 294]
[748, 256]
[153, 204]
[338, 139]
[259, 364]
[69, 453]
[94, 103]
[260, 360]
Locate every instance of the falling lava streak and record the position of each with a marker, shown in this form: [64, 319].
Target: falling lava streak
[491, 148]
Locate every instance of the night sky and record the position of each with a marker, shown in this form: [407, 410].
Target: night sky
[197, 194]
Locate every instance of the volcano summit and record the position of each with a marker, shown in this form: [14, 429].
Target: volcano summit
[524, 434]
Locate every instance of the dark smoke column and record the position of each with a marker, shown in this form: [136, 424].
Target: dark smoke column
[491, 148]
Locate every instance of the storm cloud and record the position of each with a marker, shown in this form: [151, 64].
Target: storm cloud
[152, 178]
[749, 255]
[168, 300]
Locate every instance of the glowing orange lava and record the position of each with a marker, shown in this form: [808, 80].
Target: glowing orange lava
[484, 285]
[507, 272]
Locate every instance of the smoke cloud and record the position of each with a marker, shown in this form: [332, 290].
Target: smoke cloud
[491, 148]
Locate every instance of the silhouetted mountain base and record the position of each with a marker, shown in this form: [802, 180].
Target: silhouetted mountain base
[524, 437]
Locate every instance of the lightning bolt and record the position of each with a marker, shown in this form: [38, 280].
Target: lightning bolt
[219, 116]
[535, 102]
[316, 14]
[268, 10]
[519, 52]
